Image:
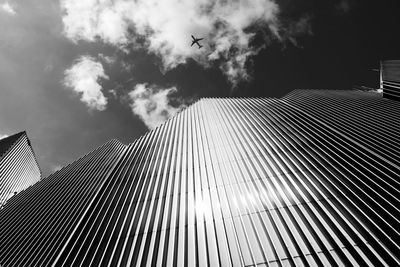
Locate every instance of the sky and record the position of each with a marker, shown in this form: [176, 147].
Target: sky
[77, 73]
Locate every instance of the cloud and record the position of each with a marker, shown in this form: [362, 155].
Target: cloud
[55, 167]
[152, 104]
[107, 59]
[164, 27]
[83, 78]
[343, 6]
[6, 7]
[91, 19]
[297, 28]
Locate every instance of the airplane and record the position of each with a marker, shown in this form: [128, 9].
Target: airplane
[196, 41]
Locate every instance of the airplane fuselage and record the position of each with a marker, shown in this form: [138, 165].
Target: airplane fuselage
[196, 41]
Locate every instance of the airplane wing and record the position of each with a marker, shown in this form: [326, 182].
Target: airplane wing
[199, 39]
[193, 42]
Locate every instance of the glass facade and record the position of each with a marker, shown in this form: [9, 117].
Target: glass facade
[309, 179]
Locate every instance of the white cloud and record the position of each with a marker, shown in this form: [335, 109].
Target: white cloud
[6, 7]
[164, 28]
[88, 19]
[152, 104]
[83, 77]
[107, 59]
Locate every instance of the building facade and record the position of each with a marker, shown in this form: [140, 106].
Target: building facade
[390, 78]
[18, 166]
[310, 179]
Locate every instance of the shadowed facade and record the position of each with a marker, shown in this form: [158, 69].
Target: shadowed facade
[18, 166]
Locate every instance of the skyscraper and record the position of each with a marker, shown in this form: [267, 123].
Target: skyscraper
[390, 79]
[308, 179]
[18, 166]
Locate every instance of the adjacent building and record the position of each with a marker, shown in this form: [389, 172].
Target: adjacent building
[18, 166]
[308, 179]
[390, 78]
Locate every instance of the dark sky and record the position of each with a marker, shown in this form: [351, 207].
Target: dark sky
[326, 44]
[341, 52]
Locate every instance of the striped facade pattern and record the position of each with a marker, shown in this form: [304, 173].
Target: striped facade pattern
[18, 166]
[310, 179]
[35, 224]
[390, 79]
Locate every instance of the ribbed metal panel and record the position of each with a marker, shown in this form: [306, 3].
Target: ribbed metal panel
[390, 79]
[296, 181]
[36, 223]
[18, 166]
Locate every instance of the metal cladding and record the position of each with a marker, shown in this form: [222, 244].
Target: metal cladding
[36, 223]
[390, 79]
[18, 166]
[308, 179]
